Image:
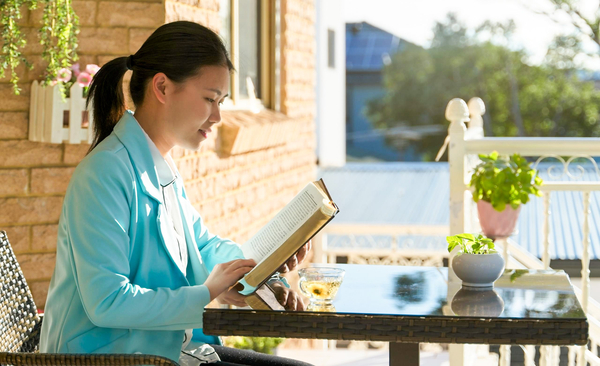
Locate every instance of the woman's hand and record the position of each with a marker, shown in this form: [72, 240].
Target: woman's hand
[296, 259]
[225, 275]
[288, 298]
[232, 297]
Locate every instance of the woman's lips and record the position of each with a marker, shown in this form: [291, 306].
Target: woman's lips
[204, 133]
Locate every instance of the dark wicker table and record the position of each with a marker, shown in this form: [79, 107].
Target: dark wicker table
[408, 305]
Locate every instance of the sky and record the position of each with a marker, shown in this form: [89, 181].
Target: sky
[413, 20]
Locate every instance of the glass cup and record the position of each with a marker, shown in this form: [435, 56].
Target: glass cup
[320, 284]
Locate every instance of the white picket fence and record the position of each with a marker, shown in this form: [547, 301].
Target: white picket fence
[53, 119]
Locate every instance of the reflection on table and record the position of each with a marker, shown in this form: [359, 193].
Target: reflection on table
[422, 291]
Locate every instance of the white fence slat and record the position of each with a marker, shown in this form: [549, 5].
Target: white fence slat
[58, 108]
[35, 88]
[546, 231]
[75, 112]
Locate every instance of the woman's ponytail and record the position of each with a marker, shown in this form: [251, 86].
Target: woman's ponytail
[106, 96]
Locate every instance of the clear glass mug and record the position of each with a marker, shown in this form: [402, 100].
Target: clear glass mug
[320, 284]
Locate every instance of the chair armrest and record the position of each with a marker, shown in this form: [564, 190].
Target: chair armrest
[71, 359]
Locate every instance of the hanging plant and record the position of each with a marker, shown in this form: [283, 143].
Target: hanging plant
[58, 36]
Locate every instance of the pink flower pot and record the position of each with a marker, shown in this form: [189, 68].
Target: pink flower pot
[496, 224]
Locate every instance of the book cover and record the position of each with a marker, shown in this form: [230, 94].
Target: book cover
[298, 222]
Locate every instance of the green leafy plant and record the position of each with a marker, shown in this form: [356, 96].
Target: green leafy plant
[58, 36]
[502, 180]
[258, 344]
[471, 244]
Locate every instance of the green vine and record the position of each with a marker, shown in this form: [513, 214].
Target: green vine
[58, 36]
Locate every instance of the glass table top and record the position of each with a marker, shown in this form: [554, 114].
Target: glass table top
[423, 291]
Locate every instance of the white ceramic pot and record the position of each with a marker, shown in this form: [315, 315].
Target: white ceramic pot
[478, 270]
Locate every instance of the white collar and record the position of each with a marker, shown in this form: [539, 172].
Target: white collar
[165, 167]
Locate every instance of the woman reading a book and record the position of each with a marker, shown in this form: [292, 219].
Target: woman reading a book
[135, 265]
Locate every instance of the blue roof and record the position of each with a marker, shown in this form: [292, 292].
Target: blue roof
[369, 48]
[408, 193]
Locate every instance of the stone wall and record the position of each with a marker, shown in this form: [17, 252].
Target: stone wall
[235, 194]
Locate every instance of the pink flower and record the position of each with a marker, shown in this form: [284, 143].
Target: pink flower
[84, 79]
[92, 69]
[64, 75]
[75, 68]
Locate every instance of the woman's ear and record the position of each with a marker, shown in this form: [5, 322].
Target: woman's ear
[160, 83]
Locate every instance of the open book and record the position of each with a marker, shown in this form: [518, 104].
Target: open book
[288, 231]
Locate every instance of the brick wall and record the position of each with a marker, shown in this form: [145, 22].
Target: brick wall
[235, 194]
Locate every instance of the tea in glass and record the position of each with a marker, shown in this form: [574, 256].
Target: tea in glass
[320, 284]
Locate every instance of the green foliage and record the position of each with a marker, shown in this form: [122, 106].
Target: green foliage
[521, 99]
[12, 39]
[258, 344]
[58, 36]
[502, 180]
[471, 244]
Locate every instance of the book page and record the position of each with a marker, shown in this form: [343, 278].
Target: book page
[284, 224]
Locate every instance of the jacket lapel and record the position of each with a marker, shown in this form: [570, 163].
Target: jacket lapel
[132, 136]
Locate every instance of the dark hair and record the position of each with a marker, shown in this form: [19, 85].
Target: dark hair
[177, 49]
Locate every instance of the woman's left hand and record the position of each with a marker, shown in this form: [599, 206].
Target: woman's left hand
[288, 298]
[232, 297]
[296, 259]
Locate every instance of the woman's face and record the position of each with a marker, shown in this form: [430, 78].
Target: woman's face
[194, 107]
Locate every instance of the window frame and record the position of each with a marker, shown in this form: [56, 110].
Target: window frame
[269, 58]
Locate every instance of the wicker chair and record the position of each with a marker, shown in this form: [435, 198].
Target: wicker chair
[20, 325]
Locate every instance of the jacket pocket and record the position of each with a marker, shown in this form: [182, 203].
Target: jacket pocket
[94, 339]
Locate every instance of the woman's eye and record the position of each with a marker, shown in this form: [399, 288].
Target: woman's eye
[210, 100]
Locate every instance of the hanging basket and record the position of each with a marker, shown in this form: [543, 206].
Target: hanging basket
[55, 120]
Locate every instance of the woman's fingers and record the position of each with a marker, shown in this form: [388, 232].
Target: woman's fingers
[303, 252]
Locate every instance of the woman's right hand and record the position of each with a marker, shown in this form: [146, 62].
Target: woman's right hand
[225, 275]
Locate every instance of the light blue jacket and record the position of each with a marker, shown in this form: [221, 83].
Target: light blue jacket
[116, 288]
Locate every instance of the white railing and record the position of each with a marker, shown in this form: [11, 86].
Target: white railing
[464, 145]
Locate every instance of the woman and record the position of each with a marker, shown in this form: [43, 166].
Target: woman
[135, 265]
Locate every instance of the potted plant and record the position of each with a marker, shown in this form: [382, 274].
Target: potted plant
[477, 264]
[500, 185]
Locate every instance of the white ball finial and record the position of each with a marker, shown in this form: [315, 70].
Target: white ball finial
[457, 110]
[476, 106]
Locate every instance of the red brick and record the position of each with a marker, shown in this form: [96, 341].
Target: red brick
[50, 180]
[18, 236]
[103, 40]
[86, 11]
[130, 14]
[74, 153]
[27, 153]
[12, 102]
[14, 182]
[176, 11]
[37, 266]
[137, 37]
[39, 290]
[33, 45]
[14, 125]
[24, 210]
[44, 238]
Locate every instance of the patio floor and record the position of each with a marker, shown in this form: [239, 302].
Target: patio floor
[344, 357]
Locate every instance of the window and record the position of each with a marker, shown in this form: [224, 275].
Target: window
[249, 28]
[331, 48]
